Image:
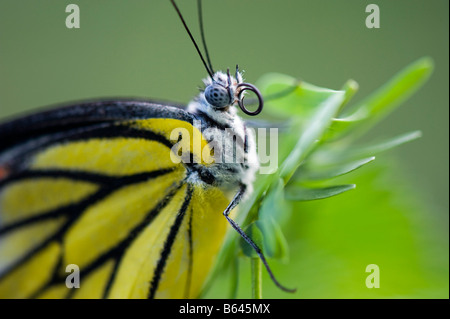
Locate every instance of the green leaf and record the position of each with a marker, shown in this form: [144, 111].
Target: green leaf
[313, 131]
[298, 193]
[330, 155]
[254, 232]
[267, 235]
[382, 101]
[249, 209]
[313, 172]
[350, 88]
[398, 89]
[273, 204]
[383, 146]
[275, 244]
[299, 98]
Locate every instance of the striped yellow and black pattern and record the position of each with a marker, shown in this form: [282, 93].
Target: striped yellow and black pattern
[94, 185]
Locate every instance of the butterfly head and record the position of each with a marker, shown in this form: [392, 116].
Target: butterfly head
[223, 91]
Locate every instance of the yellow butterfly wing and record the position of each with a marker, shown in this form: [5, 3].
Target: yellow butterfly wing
[108, 198]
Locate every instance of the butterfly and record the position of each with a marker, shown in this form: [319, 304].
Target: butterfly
[132, 193]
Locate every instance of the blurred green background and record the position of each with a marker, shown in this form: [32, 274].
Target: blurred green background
[398, 215]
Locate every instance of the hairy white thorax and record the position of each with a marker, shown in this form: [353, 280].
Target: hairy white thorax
[236, 160]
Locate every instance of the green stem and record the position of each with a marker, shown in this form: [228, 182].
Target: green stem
[256, 278]
[234, 278]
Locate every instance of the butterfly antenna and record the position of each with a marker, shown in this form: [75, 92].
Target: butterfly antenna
[202, 32]
[192, 38]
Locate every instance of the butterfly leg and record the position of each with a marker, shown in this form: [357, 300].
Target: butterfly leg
[234, 202]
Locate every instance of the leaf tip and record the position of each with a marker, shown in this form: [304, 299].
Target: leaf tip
[352, 84]
[424, 65]
[426, 62]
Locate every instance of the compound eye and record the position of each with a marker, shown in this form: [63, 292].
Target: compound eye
[217, 96]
